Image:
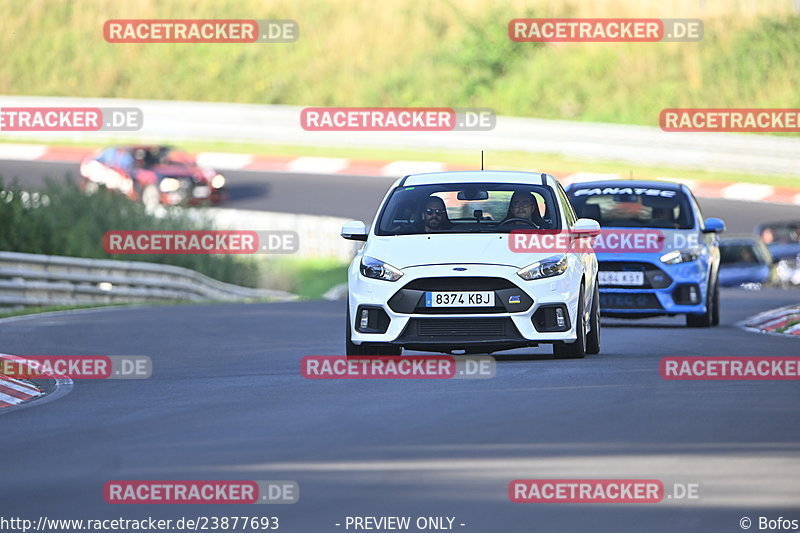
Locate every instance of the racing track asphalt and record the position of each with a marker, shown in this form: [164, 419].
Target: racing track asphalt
[226, 401]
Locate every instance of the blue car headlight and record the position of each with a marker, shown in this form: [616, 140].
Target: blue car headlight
[681, 256]
[377, 269]
[546, 268]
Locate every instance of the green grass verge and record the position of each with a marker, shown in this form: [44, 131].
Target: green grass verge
[788, 326]
[308, 278]
[61, 220]
[410, 53]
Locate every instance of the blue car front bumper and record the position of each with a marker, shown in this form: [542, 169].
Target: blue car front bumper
[666, 290]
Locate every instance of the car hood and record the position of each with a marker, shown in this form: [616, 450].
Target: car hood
[784, 251]
[736, 274]
[403, 251]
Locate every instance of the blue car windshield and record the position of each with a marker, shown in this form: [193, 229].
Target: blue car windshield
[633, 207]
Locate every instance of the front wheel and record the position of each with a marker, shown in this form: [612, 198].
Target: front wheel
[715, 313]
[576, 350]
[350, 348]
[706, 320]
[380, 348]
[593, 338]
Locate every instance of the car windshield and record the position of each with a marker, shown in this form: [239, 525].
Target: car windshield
[625, 206]
[740, 253]
[787, 233]
[468, 208]
[161, 155]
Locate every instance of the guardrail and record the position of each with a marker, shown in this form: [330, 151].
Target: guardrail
[44, 280]
[175, 121]
[318, 236]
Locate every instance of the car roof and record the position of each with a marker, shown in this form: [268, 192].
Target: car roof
[150, 146]
[477, 176]
[778, 224]
[657, 184]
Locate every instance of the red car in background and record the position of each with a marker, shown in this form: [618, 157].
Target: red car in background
[154, 175]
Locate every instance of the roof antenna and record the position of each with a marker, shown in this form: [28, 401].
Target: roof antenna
[481, 159]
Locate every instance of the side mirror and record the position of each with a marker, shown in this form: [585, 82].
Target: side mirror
[714, 225]
[586, 226]
[355, 230]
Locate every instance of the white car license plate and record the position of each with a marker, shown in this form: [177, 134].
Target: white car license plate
[621, 278]
[201, 191]
[459, 299]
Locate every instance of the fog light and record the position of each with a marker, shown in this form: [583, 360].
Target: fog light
[364, 319]
[693, 295]
[560, 322]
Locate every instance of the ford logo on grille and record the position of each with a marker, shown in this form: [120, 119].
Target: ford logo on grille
[460, 269]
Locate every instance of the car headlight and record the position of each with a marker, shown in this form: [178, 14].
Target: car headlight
[169, 185]
[375, 269]
[546, 268]
[680, 256]
[218, 181]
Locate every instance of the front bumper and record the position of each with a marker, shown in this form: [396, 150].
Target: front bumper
[194, 195]
[667, 290]
[509, 324]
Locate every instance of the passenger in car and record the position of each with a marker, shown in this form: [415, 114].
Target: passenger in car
[523, 205]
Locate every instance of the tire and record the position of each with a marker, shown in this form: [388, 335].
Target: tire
[349, 347]
[593, 338]
[576, 350]
[705, 320]
[366, 348]
[380, 348]
[715, 313]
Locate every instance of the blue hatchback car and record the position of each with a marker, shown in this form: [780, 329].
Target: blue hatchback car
[682, 279]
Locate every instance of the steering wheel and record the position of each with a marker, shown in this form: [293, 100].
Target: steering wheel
[400, 227]
[517, 219]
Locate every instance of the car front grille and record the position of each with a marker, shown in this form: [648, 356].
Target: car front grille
[457, 327]
[629, 300]
[455, 283]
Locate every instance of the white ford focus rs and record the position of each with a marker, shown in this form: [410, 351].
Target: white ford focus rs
[437, 271]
